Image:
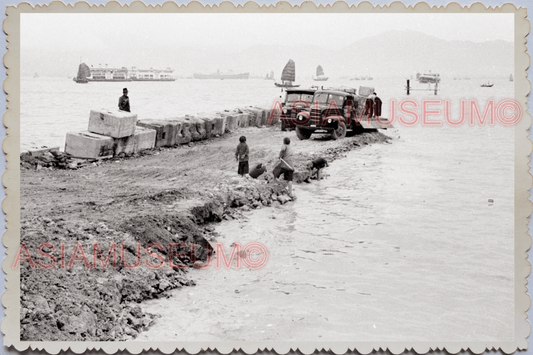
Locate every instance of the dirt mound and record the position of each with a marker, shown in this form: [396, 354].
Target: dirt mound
[148, 218]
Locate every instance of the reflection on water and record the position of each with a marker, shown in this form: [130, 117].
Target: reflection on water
[400, 242]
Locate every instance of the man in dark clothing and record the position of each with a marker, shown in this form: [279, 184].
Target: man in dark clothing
[124, 101]
[317, 164]
[377, 106]
[369, 107]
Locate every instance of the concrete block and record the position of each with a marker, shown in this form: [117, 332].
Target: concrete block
[166, 130]
[232, 122]
[220, 125]
[142, 139]
[209, 124]
[174, 131]
[37, 152]
[197, 128]
[89, 145]
[116, 124]
[246, 119]
[184, 135]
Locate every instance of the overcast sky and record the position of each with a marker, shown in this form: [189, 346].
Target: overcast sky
[85, 31]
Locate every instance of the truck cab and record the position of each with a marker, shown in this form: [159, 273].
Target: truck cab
[333, 111]
[295, 101]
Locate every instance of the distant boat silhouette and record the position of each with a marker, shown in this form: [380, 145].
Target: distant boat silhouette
[270, 76]
[83, 72]
[320, 74]
[487, 85]
[511, 77]
[288, 75]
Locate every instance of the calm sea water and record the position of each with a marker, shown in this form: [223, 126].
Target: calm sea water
[51, 107]
[412, 241]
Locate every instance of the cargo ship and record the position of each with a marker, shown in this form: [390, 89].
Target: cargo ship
[221, 76]
[107, 74]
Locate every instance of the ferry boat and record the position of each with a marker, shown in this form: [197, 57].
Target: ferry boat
[108, 74]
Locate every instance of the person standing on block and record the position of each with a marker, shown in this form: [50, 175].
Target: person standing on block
[241, 155]
[124, 101]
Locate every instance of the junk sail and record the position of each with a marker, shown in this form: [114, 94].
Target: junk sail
[83, 72]
[288, 75]
[320, 74]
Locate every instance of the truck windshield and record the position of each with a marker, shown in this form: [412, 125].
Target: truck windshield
[339, 99]
[299, 97]
[321, 98]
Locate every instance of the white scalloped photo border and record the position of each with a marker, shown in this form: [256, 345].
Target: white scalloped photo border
[10, 325]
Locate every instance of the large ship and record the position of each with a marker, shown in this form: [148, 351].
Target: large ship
[221, 76]
[106, 74]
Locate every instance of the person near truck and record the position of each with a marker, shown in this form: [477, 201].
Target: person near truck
[377, 105]
[287, 167]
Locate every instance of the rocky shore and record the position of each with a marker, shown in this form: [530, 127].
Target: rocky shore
[154, 210]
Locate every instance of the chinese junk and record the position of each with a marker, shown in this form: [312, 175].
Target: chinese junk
[288, 75]
[83, 73]
[320, 74]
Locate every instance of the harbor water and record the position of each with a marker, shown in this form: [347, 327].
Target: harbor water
[409, 241]
[401, 242]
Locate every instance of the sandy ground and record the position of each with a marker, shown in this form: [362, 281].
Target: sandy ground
[164, 196]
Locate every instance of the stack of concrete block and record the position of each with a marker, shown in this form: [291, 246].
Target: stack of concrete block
[109, 133]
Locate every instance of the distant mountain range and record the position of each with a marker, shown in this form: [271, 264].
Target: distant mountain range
[394, 53]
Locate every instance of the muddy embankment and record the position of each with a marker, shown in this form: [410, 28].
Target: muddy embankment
[94, 248]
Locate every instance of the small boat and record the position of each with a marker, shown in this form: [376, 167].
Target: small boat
[511, 77]
[288, 75]
[270, 76]
[320, 74]
[83, 73]
[431, 78]
[487, 85]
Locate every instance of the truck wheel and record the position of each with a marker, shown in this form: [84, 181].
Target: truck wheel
[340, 132]
[303, 133]
[283, 125]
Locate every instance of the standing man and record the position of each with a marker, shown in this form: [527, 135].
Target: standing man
[124, 101]
[287, 167]
[377, 106]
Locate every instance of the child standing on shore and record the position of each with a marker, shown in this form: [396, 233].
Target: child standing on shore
[241, 155]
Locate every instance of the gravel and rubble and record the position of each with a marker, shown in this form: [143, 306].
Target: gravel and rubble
[142, 205]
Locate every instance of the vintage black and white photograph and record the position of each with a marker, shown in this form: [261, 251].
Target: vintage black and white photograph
[307, 177]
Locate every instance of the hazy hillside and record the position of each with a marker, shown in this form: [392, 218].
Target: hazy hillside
[397, 53]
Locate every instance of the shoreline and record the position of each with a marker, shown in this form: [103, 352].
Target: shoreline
[166, 196]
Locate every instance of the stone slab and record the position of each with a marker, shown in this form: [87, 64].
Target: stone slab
[116, 124]
[89, 145]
